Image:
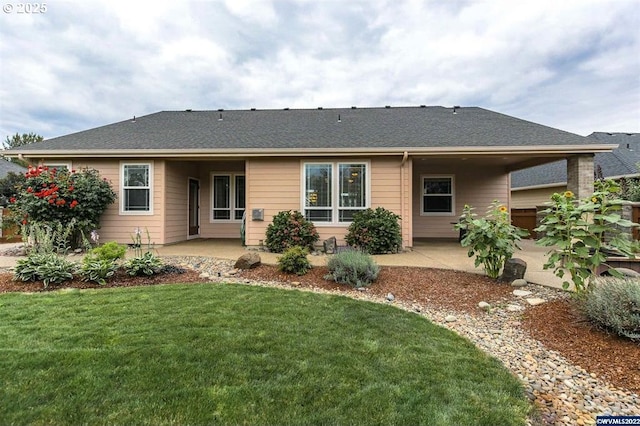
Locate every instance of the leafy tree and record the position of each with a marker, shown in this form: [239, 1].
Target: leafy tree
[9, 186]
[18, 140]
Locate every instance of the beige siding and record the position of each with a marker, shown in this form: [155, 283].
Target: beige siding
[530, 198]
[119, 227]
[176, 195]
[272, 185]
[475, 185]
[275, 185]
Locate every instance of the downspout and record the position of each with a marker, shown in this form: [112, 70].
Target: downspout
[405, 157]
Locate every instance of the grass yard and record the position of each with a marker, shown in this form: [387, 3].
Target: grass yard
[233, 354]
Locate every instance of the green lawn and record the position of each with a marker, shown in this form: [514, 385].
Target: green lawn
[232, 354]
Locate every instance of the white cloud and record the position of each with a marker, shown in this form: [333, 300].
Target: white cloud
[572, 64]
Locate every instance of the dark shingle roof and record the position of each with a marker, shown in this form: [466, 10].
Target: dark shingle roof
[397, 127]
[622, 161]
[6, 167]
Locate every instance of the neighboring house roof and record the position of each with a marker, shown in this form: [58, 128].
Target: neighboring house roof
[6, 167]
[622, 161]
[263, 132]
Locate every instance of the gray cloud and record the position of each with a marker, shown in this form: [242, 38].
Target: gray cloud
[574, 65]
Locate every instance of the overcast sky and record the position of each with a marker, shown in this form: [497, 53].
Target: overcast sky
[573, 65]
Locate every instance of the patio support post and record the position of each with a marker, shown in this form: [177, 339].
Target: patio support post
[580, 176]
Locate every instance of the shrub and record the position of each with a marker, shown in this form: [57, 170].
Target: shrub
[294, 261]
[582, 232]
[352, 267]
[147, 264]
[49, 268]
[76, 200]
[97, 270]
[375, 231]
[42, 238]
[614, 303]
[492, 239]
[110, 251]
[289, 229]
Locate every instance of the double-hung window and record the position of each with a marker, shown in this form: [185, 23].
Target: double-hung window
[437, 195]
[228, 196]
[334, 191]
[137, 186]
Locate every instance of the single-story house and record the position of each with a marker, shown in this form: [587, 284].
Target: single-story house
[534, 186]
[7, 167]
[197, 174]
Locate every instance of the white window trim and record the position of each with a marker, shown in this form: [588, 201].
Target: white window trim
[232, 194]
[57, 165]
[124, 212]
[335, 189]
[453, 195]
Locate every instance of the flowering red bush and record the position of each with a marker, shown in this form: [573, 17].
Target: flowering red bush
[50, 196]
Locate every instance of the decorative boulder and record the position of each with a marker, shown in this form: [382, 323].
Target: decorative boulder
[514, 269]
[330, 245]
[248, 261]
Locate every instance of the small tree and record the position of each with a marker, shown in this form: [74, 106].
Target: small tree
[61, 196]
[582, 232]
[18, 140]
[9, 187]
[492, 239]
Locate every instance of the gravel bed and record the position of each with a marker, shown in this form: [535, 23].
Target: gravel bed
[565, 394]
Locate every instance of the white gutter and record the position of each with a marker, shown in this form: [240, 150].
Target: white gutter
[537, 151]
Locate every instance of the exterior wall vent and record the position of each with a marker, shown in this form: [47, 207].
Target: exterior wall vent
[257, 214]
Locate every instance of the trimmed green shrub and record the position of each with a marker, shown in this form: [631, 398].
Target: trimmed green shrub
[110, 251]
[614, 303]
[352, 267]
[294, 261]
[48, 268]
[289, 229]
[97, 270]
[147, 264]
[375, 231]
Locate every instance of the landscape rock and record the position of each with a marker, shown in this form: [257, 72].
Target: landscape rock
[484, 305]
[514, 269]
[626, 272]
[205, 275]
[535, 301]
[522, 293]
[248, 261]
[450, 318]
[330, 245]
[520, 282]
[514, 308]
[390, 297]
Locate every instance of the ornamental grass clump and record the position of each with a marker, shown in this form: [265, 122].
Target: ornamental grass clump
[492, 239]
[584, 232]
[375, 231]
[352, 267]
[289, 229]
[614, 304]
[294, 261]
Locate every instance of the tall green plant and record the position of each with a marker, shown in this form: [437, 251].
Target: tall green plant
[491, 239]
[583, 232]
